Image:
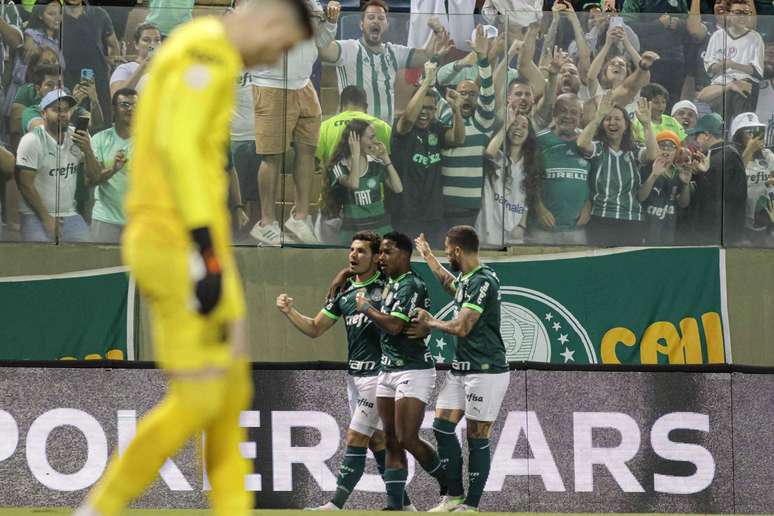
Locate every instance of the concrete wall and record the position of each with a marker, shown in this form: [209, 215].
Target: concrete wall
[305, 275]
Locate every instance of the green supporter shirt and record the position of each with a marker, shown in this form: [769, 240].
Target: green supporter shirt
[667, 124]
[168, 14]
[109, 196]
[565, 181]
[363, 208]
[364, 350]
[332, 129]
[482, 350]
[399, 352]
[26, 95]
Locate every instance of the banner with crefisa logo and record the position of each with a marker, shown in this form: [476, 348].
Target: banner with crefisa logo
[565, 441]
[618, 306]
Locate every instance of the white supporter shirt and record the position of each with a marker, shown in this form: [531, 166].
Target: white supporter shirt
[301, 59]
[374, 72]
[757, 171]
[765, 109]
[57, 170]
[746, 49]
[521, 12]
[124, 71]
[503, 204]
[243, 116]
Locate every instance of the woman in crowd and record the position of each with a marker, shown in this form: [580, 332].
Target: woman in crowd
[666, 187]
[147, 38]
[616, 214]
[359, 170]
[608, 72]
[511, 182]
[44, 29]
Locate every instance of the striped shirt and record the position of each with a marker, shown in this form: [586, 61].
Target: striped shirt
[615, 181]
[374, 72]
[463, 166]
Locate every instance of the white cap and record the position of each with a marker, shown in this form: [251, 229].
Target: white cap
[743, 121]
[684, 104]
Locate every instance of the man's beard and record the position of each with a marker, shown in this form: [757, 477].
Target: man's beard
[454, 264]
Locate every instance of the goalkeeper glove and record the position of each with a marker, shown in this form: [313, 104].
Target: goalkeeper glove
[205, 272]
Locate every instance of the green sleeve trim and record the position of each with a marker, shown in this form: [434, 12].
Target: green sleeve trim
[330, 315]
[400, 315]
[473, 307]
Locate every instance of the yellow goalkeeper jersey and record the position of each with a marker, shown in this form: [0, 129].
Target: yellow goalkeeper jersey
[177, 178]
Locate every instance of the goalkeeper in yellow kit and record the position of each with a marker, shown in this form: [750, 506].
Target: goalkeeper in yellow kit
[177, 245]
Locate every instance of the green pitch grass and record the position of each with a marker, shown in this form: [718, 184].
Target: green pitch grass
[264, 512]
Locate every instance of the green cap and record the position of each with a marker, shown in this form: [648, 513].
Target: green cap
[590, 5]
[712, 124]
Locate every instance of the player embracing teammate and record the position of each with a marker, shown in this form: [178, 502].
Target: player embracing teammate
[397, 322]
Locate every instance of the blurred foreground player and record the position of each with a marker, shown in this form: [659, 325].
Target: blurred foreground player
[177, 245]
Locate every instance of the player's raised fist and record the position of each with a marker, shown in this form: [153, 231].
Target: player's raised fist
[284, 303]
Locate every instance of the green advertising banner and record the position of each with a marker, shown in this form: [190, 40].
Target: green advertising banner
[646, 306]
[83, 315]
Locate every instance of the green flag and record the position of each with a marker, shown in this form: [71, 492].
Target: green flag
[81, 315]
[647, 306]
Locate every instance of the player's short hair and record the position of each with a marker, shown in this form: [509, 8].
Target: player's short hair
[123, 92]
[371, 237]
[653, 90]
[402, 241]
[354, 96]
[375, 3]
[464, 237]
[142, 28]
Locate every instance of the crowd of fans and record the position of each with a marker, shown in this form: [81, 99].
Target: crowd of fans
[642, 122]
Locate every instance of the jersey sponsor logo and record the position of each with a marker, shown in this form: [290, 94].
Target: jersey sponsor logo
[661, 212]
[356, 320]
[534, 327]
[566, 173]
[460, 366]
[64, 172]
[482, 293]
[363, 197]
[428, 160]
[363, 402]
[362, 365]
[474, 398]
[508, 205]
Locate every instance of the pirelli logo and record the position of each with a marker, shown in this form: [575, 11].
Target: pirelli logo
[566, 173]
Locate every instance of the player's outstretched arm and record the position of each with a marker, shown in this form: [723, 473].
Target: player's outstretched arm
[442, 273]
[460, 326]
[313, 328]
